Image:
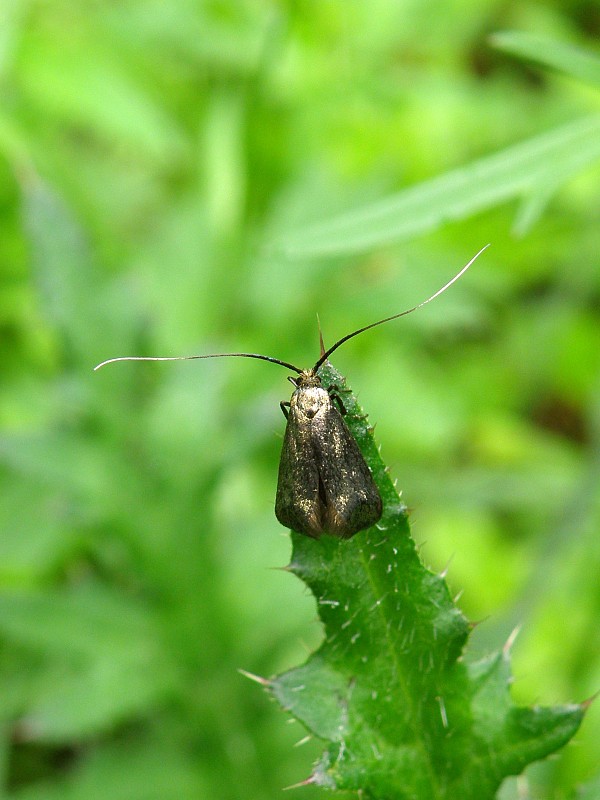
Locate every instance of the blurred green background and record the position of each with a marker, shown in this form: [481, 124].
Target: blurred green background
[155, 159]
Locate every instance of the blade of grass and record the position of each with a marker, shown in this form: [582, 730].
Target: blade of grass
[566, 58]
[521, 170]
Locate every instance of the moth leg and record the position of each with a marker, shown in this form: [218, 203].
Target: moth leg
[334, 392]
[284, 405]
[339, 389]
[335, 396]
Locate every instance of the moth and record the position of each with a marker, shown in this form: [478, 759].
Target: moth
[324, 485]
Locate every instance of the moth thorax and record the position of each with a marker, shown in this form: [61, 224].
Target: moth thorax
[310, 397]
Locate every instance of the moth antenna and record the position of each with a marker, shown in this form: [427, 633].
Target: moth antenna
[325, 355]
[321, 345]
[191, 358]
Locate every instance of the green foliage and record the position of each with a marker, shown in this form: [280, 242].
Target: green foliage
[549, 52]
[155, 159]
[532, 171]
[403, 715]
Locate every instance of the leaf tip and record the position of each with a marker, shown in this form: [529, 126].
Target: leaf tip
[304, 740]
[443, 574]
[508, 645]
[585, 704]
[264, 682]
[307, 782]
[286, 568]
[475, 623]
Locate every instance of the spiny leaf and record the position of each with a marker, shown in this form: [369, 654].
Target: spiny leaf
[402, 714]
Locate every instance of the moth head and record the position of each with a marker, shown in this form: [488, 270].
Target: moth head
[306, 379]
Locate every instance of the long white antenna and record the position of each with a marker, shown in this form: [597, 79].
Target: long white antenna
[341, 341]
[324, 354]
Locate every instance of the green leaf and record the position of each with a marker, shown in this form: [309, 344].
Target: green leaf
[150, 769]
[84, 83]
[62, 265]
[589, 791]
[104, 658]
[388, 690]
[572, 61]
[529, 169]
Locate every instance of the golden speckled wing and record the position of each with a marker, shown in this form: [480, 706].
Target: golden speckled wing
[324, 485]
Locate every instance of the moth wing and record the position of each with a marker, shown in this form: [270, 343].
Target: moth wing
[351, 499]
[298, 505]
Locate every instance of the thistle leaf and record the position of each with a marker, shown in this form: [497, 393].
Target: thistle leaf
[401, 713]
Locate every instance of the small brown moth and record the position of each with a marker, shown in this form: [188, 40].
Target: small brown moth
[324, 483]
